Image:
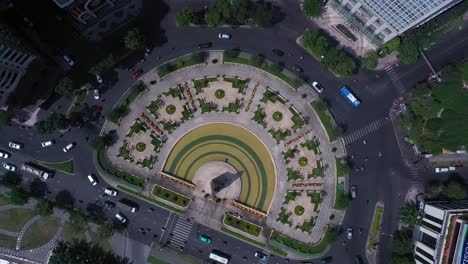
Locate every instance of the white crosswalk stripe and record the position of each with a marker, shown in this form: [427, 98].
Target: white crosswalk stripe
[401, 90]
[362, 132]
[180, 234]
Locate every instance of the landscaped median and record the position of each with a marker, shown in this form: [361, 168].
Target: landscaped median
[149, 199]
[374, 232]
[326, 118]
[171, 196]
[304, 249]
[341, 198]
[66, 166]
[249, 240]
[109, 169]
[182, 62]
[242, 225]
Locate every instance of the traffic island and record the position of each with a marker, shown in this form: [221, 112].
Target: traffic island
[67, 167]
[374, 234]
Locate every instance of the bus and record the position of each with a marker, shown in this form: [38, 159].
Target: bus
[350, 96]
[219, 256]
[36, 170]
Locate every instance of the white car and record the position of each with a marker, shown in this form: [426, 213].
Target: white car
[9, 166]
[99, 78]
[4, 155]
[47, 143]
[121, 217]
[317, 87]
[15, 145]
[350, 233]
[441, 169]
[68, 147]
[92, 179]
[110, 192]
[97, 95]
[224, 36]
[68, 60]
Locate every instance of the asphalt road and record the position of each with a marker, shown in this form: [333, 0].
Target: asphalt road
[384, 179]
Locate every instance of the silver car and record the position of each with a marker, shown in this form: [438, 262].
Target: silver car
[317, 87]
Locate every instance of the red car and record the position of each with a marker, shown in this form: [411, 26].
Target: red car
[137, 74]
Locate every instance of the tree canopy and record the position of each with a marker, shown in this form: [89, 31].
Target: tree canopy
[134, 39]
[82, 252]
[5, 118]
[184, 17]
[409, 214]
[65, 87]
[313, 8]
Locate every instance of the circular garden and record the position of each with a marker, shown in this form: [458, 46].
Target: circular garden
[299, 210]
[140, 146]
[303, 161]
[277, 116]
[219, 93]
[170, 109]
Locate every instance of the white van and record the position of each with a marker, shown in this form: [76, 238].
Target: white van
[92, 179]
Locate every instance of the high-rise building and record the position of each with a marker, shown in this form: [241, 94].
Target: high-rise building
[442, 236]
[382, 20]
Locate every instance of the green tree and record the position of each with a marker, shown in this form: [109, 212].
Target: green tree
[65, 87]
[18, 196]
[320, 46]
[105, 231]
[38, 188]
[454, 190]
[82, 252]
[45, 207]
[310, 37]
[408, 259]
[408, 51]
[424, 107]
[5, 118]
[214, 17]
[391, 45]
[432, 190]
[370, 61]
[313, 8]
[409, 214]
[184, 17]
[346, 66]
[134, 39]
[104, 65]
[78, 221]
[402, 243]
[263, 15]
[117, 113]
[97, 143]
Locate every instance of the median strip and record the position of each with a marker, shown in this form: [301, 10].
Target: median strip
[151, 200]
[171, 196]
[66, 166]
[242, 225]
[374, 234]
[249, 240]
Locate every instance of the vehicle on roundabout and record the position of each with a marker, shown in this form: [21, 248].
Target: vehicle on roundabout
[224, 36]
[15, 145]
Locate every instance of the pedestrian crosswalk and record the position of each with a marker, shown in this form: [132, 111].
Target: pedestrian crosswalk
[180, 234]
[395, 80]
[362, 132]
[265, 260]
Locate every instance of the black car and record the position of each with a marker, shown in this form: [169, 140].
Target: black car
[326, 260]
[297, 68]
[278, 52]
[205, 45]
[109, 204]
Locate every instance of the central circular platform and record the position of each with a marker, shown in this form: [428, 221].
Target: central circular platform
[235, 145]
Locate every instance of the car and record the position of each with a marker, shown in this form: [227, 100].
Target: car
[68, 60]
[317, 87]
[4, 155]
[353, 192]
[205, 239]
[297, 68]
[121, 217]
[68, 147]
[96, 93]
[111, 192]
[92, 179]
[452, 168]
[99, 78]
[109, 204]
[9, 166]
[15, 145]
[205, 45]
[261, 256]
[137, 73]
[277, 52]
[326, 259]
[224, 36]
[441, 169]
[350, 233]
[47, 143]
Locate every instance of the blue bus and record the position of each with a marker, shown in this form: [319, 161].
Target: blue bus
[350, 96]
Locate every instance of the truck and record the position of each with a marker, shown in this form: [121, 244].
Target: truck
[36, 170]
[127, 205]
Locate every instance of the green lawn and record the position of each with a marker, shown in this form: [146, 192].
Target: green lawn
[291, 196]
[4, 200]
[171, 196]
[341, 169]
[151, 200]
[326, 119]
[108, 168]
[283, 217]
[14, 219]
[66, 166]
[318, 170]
[375, 226]
[69, 234]
[329, 238]
[41, 232]
[242, 225]
[279, 252]
[103, 243]
[155, 260]
[294, 174]
[255, 242]
[7, 242]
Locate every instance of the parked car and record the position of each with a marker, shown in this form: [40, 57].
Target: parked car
[68, 147]
[297, 68]
[68, 60]
[96, 93]
[92, 179]
[15, 145]
[278, 52]
[317, 87]
[353, 192]
[99, 78]
[47, 143]
[111, 192]
[137, 73]
[326, 259]
[441, 169]
[205, 239]
[350, 233]
[261, 256]
[4, 155]
[205, 45]
[224, 36]
[9, 166]
[121, 217]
